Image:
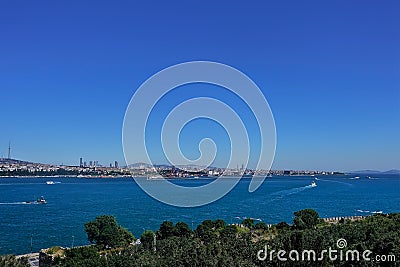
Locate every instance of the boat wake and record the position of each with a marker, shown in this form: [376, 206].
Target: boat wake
[40, 200]
[292, 191]
[21, 184]
[16, 203]
[338, 182]
[22, 203]
[52, 182]
[373, 212]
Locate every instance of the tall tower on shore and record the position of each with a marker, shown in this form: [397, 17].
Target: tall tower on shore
[9, 150]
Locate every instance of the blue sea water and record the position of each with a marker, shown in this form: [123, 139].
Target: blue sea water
[75, 201]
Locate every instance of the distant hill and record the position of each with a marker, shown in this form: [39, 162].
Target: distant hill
[146, 165]
[190, 167]
[13, 161]
[139, 165]
[394, 171]
[366, 171]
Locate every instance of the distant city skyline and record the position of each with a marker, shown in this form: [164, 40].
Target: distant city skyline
[330, 72]
[94, 163]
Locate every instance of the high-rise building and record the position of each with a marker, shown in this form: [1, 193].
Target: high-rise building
[84, 164]
[9, 150]
[116, 164]
[90, 163]
[81, 162]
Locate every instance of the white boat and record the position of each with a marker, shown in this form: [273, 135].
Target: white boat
[377, 212]
[41, 200]
[50, 182]
[313, 184]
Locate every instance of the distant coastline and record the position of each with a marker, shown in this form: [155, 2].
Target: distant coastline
[66, 176]
[12, 168]
[174, 178]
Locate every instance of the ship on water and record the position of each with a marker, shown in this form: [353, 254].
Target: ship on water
[40, 200]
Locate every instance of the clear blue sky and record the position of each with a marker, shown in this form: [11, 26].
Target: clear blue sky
[329, 69]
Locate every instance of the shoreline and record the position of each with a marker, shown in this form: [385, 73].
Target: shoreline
[181, 178]
[157, 178]
[67, 176]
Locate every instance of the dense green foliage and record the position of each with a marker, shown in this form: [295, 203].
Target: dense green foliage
[147, 239]
[12, 261]
[305, 219]
[214, 243]
[106, 232]
[249, 223]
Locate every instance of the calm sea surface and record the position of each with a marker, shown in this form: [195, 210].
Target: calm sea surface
[74, 201]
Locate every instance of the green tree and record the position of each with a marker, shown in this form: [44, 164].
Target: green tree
[11, 260]
[84, 257]
[106, 232]
[248, 222]
[305, 219]
[208, 224]
[282, 226]
[229, 233]
[182, 229]
[219, 224]
[167, 229]
[147, 239]
[206, 233]
[261, 225]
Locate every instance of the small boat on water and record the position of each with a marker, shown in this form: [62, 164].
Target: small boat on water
[41, 200]
[313, 184]
[52, 182]
[377, 212]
